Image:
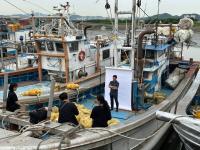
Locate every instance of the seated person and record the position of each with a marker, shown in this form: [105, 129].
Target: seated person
[12, 99]
[100, 113]
[67, 110]
[38, 115]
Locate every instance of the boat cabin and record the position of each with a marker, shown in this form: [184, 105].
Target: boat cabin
[68, 55]
[156, 64]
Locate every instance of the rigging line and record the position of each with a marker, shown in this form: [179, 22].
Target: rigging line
[107, 6]
[17, 7]
[109, 17]
[145, 8]
[150, 18]
[144, 12]
[138, 16]
[37, 5]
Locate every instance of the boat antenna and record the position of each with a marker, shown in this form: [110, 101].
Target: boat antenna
[57, 9]
[65, 7]
[17, 7]
[157, 21]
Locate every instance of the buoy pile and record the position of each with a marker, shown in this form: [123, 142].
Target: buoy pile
[196, 114]
[72, 86]
[54, 114]
[158, 96]
[84, 117]
[32, 92]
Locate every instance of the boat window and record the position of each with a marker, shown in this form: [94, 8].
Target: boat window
[41, 45]
[150, 54]
[50, 46]
[124, 55]
[31, 48]
[92, 47]
[160, 53]
[145, 75]
[73, 46]
[106, 54]
[59, 47]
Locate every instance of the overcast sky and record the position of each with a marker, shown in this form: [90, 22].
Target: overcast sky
[91, 8]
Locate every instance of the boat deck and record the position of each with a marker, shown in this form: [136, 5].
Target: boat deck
[186, 100]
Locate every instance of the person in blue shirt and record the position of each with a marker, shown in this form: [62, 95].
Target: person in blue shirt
[67, 110]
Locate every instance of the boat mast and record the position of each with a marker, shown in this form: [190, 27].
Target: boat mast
[133, 12]
[133, 34]
[116, 34]
[133, 26]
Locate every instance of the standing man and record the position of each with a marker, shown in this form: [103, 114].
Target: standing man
[114, 85]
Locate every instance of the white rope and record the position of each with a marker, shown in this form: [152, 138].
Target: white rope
[39, 6]
[17, 7]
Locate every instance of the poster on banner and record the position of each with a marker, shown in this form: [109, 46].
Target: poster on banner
[124, 77]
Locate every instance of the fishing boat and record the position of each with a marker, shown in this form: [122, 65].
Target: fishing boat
[17, 56]
[65, 54]
[141, 68]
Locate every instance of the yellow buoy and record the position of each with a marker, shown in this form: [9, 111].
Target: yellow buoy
[54, 114]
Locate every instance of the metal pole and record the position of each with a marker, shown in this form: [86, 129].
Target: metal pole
[5, 91]
[133, 34]
[16, 57]
[116, 34]
[37, 48]
[51, 98]
[181, 51]
[98, 57]
[134, 100]
[66, 50]
[2, 63]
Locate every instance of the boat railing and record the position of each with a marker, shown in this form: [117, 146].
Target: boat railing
[55, 26]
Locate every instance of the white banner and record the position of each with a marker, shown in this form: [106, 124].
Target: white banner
[124, 77]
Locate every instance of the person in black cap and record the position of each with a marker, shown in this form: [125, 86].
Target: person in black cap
[67, 110]
[12, 98]
[114, 85]
[100, 113]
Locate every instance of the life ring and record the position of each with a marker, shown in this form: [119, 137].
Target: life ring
[81, 55]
